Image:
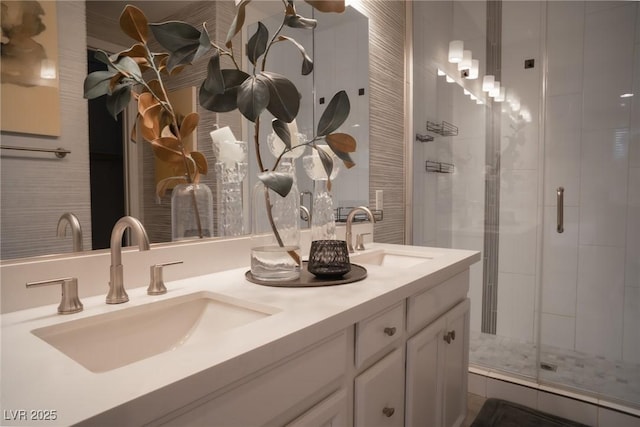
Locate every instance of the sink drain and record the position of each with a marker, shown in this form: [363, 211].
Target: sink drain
[548, 366]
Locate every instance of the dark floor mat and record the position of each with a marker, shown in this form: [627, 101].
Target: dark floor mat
[500, 413]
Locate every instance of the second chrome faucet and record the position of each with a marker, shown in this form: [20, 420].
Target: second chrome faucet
[117, 294]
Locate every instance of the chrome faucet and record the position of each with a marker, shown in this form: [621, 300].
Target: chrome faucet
[76, 230]
[350, 217]
[117, 293]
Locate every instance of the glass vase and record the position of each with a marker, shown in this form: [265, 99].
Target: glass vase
[323, 219]
[191, 212]
[231, 171]
[275, 238]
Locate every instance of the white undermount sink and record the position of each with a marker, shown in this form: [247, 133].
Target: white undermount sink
[387, 258]
[108, 341]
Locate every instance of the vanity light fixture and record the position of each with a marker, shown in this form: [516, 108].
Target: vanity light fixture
[465, 64]
[456, 48]
[487, 83]
[495, 90]
[48, 69]
[474, 69]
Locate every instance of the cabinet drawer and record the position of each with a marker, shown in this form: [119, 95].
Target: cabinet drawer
[378, 331]
[425, 307]
[271, 393]
[379, 393]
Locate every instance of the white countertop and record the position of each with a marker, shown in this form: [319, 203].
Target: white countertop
[36, 376]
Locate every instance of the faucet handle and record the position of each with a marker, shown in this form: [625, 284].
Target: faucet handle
[360, 241]
[70, 303]
[156, 285]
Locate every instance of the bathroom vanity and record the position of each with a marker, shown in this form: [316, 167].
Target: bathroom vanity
[389, 350]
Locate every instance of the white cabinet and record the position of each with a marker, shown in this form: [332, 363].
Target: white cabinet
[437, 361]
[379, 393]
[331, 412]
[275, 395]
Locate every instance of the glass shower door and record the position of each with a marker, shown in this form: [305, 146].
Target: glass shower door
[590, 281]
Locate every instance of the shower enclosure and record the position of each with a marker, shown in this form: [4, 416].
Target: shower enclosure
[543, 178]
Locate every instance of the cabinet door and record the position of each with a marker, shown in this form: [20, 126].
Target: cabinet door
[425, 359]
[331, 412]
[456, 365]
[379, 393]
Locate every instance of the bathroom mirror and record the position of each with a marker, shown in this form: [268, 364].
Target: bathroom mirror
[38, 188]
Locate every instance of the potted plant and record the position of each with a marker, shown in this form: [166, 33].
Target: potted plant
[223, 90]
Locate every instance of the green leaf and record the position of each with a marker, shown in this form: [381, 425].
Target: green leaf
[257, 43]
[127, 66]
[97, 83]
[307, 63]
[282, 130]
[118, 100]
[175, 35]
[238, 22]
[214, 83]
[228, 100]
[335, 114]
[327, 161]
[102, 56]
[284, 98]
[253, 98]
[279, 182]
[183, 41]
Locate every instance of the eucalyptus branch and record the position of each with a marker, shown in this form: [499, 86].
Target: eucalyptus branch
[287, 150]
[229, 53]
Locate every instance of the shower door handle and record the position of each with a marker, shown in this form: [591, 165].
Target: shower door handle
[560, 203]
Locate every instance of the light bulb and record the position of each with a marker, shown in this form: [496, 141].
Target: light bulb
[495, 90]
[456, 48]
[487, 83]
[465, 64]
[474, 69]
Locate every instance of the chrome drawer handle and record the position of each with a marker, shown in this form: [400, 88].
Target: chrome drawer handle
[391, 331]
[388, 412]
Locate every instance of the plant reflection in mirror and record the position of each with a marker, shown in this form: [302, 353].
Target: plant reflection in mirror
[223, 90]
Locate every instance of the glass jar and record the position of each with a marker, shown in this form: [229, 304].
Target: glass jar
[191, 212]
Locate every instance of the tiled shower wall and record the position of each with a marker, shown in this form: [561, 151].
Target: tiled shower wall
[448, 209]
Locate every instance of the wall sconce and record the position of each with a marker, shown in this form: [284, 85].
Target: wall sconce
[456, 48]
[473, 70]
[465, 64]
[487, 83]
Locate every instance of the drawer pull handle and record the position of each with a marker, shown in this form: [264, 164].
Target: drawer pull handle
[388, 412]
[390, 331]
[449, 336]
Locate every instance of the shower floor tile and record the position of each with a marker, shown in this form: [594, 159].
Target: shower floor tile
[606, 379]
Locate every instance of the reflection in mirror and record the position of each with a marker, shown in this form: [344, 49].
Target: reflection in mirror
[38, 189]
[339, 47]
